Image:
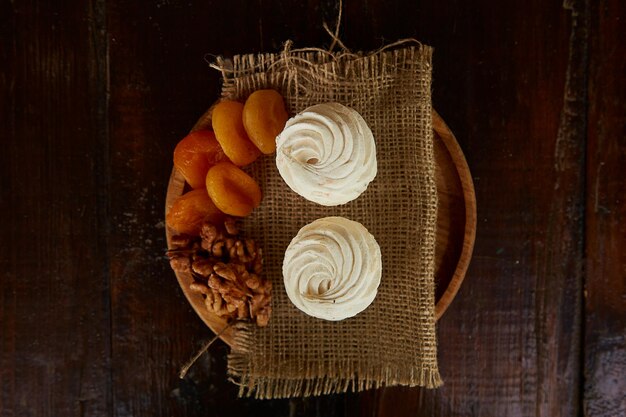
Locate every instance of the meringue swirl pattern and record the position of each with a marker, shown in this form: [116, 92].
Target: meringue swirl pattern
[327, 154]
[332, 268]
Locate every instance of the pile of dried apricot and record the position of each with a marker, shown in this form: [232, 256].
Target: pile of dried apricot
[210, 161]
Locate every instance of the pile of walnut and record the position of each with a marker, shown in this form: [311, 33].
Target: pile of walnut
[226, 271]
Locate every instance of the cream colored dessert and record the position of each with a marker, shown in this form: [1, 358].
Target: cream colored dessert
[332, 268]
[327, 154]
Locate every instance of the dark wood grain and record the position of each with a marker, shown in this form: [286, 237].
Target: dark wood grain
[509, 344]
[605, 284]
[157, 80]
[95, 94]
[160, 84]
[54, 304]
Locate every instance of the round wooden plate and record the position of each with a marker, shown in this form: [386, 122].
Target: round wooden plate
[456, 224]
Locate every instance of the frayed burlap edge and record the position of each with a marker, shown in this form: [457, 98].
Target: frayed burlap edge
[307, 385]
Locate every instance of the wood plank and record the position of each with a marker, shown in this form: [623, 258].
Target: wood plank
[160, 85]
[54, 310]
[605, 301]
[155, 99]
[507, 79]
[156, 70]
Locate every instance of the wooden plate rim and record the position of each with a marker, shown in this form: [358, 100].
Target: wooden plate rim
[469, 197]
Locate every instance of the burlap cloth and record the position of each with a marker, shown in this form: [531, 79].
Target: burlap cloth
[393, 341]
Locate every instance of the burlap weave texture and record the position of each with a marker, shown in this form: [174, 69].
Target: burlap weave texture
[392, 342]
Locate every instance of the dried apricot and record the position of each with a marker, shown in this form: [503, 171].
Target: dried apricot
[264, 117]
[195, 154]
[189, 211]
[230, 133]
[233, 191]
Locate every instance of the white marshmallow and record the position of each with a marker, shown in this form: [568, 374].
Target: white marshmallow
[332, 268]
[327, 154]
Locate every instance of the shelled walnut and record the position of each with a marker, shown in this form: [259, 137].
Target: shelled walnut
[226, 270]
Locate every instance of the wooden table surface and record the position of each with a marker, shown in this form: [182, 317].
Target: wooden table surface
[96, 93]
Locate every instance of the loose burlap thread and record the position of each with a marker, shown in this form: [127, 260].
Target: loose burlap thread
[392, 342]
